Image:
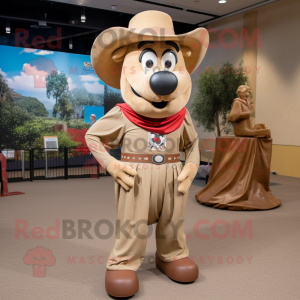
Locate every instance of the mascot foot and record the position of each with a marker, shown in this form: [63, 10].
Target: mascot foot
[182, 270]
[121, 283]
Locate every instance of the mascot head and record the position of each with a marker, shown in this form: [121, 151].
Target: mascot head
[149, 63]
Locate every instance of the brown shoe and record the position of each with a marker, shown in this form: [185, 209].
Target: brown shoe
[182, 270]
[121, 283]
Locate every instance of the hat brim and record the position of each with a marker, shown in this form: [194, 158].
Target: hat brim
[109, 71]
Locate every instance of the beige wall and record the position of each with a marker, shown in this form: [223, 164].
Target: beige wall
[286, 160]
[278, 84]
[277, 96]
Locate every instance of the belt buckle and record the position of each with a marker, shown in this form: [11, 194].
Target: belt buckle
[158, 159]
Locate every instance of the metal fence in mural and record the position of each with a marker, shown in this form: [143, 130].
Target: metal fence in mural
[35, 164]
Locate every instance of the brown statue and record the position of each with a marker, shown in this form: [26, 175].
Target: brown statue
[240, 172]
[240, 114]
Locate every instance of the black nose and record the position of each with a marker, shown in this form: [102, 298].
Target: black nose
[163, 83]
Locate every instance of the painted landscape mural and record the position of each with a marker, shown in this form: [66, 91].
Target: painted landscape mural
[45, 93]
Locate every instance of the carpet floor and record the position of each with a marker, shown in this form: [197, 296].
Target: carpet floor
[241, 255]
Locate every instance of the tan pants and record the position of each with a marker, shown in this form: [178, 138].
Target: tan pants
[153, 199]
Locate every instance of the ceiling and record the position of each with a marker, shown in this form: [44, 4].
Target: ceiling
[63, 18]
[185, 11]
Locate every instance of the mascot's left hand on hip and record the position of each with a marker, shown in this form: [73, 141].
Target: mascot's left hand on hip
[119, 171]
[186, 177]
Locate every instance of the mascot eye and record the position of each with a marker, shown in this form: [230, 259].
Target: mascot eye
[149, 63]
[169, 60]
[148, 59]
[168, 64]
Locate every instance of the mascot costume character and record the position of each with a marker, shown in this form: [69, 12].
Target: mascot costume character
[151, 66]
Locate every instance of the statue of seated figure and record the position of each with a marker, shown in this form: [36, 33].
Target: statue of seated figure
[240, 114]
[240, 176]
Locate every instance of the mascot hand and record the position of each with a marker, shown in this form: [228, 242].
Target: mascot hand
[121, 173]
[186, 177]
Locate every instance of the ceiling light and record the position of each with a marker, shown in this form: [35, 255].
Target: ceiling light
[70, 44]
[113, 7]
[83, 18]
[222, 1]
[7, 28]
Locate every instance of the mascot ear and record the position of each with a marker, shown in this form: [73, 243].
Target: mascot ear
[119, 54]
[186, 51]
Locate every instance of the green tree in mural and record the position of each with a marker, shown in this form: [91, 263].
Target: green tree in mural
[64, 107]
[34, 106]
[27, 133]
[30, 135]
[3, 88]
[111, 98]
[11, 117]
[96, 99]
[81, 97]
[215, 91]
[57, 84]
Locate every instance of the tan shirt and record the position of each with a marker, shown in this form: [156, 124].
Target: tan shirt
[115, 129]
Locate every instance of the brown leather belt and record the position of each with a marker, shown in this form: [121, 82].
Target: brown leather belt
[157, 159]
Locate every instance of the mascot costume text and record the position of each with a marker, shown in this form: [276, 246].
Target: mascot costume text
[151, 66]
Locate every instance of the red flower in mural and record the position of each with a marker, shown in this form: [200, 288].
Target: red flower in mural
[77, 135]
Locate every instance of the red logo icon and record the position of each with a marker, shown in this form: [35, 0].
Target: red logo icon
[39, 258]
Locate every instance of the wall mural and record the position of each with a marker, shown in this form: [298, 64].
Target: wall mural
[46, 93]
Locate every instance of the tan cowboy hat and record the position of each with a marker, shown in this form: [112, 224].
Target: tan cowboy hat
[108, 49]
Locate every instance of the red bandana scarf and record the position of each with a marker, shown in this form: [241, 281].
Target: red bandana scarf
[161, 126]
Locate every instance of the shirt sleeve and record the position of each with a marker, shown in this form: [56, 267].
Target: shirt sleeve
[189, 142]
[106, 132]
